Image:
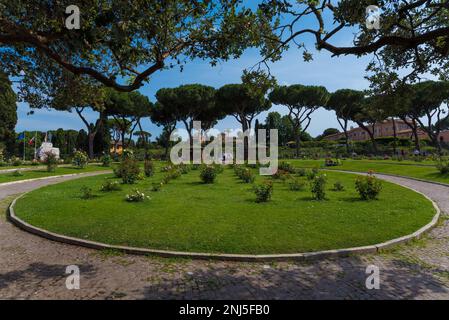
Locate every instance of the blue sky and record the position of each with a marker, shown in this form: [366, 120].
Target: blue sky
[333, 73]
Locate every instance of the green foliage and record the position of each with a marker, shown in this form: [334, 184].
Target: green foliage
[149, 168]
[136, 196]
[80, 159]
[368, 187]
[318, 187]
[106, 160]
[295, 184]
[263, 191]
[443, 167]
[50, 161]
[16, 162]
[338, 186]
[311, 174]
[287, 167]
[128, 170]
[301, 172]
[86, 193]
[109, 186]
[332, 162]
[184, 168]
[17, 173]
[157, 186]
[244, 174]
[208, 174]
[8, 112]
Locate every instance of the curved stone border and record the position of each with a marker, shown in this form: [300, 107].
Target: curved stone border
[53, 177]
[226, 257]
[391, 175]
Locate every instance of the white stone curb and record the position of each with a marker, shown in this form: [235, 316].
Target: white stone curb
[226, 257]
[53, 177]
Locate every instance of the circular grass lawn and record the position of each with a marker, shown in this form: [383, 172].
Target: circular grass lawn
[187, 215]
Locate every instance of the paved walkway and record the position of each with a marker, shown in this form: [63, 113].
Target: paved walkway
[32, 267]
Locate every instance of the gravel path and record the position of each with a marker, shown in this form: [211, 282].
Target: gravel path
[34, 268]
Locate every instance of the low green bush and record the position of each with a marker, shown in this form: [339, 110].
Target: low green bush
[287, 167]
[443, 167]
[184, 168]
[318, 187]
[263, 191]
[368, 187]
[109, 186]
[128, 170]
[295, 184]
[281, 175]
[247, 176]
[338, 186]
[17, 173]
[86, 193]
[311, 174]
[50, 161]
[157, 186]
[148, 168]
[80, 159]
[208, 174]
[106, 160]
[136, 196]
[16, 162]
[301, 172]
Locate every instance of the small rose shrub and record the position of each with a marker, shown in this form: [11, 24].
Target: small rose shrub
[287, 167]
[16, 161]
[338, 186]
[318, 187]
[368, 187]
[86, 193]
[50, 161]
[128, 170]
[443, 167]
[311, 174]
[80, 159]
[148, 168]
[301, 172]
[247, 176]
[208, 174]
[136, 196]
[109, 186]
[157, 186]
[17, 173]
[106, 160]
[184, 168]
[263, 191]
[295, 184]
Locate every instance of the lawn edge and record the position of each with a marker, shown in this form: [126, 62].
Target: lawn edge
[53, 177]
[376, 248]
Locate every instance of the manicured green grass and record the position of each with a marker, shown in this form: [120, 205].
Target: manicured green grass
[187, 215]
[23, 166]
[41, 173]
[426, 172]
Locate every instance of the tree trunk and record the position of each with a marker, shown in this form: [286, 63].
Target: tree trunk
[245, 140]
[91, 138]
[395, 135]
[145, 142]
[371, 135]
[297, 140]
[344, 127]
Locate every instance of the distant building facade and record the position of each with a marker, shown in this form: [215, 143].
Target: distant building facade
[384, 129]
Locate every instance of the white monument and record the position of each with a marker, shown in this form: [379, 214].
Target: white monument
[44, 148]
